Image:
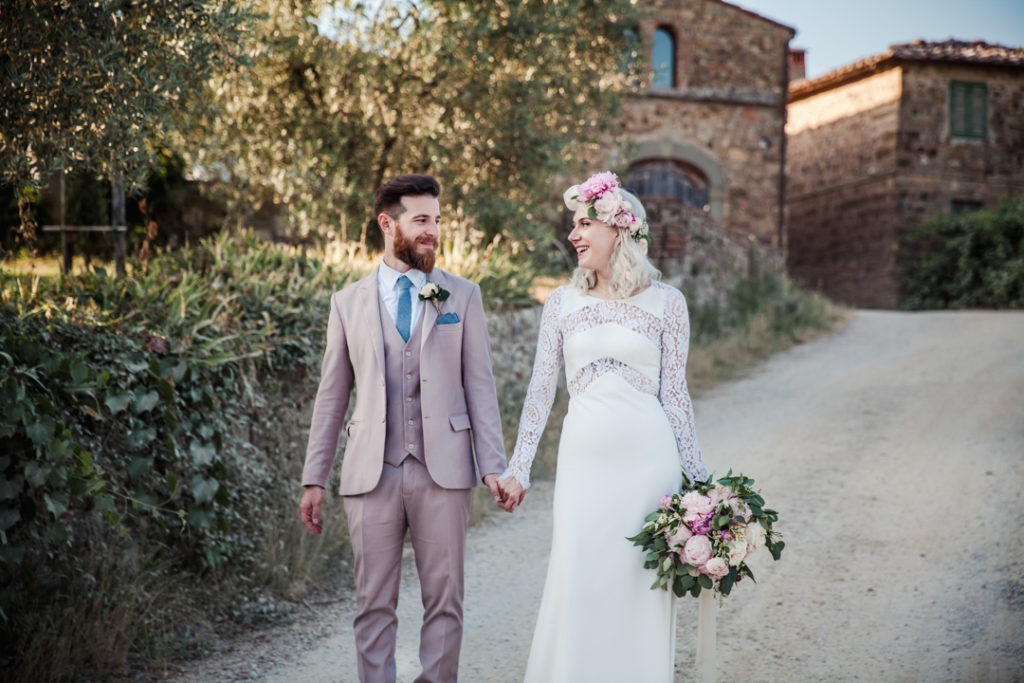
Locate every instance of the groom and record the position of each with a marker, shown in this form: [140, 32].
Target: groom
[425, 429]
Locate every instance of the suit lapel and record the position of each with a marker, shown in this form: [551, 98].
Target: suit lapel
[369, 301]
[429, 312]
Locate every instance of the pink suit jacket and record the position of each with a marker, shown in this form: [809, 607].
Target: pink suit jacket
[461, 422]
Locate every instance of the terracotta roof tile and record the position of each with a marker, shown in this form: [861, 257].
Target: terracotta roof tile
[973, 52]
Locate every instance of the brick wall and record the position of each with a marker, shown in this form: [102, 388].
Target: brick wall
[840, 202]
[727, 109]
[870, 160]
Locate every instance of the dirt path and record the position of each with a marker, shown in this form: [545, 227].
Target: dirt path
[894, 452]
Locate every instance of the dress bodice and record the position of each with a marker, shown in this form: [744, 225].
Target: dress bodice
[643, 339]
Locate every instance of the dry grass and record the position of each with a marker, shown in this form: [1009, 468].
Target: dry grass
[735, 354]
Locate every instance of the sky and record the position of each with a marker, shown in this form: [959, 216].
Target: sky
[839, 32]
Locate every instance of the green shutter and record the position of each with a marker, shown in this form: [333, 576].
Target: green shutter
[968, 109]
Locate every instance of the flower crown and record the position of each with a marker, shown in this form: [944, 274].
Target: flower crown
[600, 194]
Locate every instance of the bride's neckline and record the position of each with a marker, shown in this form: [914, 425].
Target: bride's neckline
[631, 296]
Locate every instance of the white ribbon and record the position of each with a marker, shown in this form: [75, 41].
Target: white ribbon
[706, 637]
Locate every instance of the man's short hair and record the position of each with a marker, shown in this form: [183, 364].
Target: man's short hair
[388, 198]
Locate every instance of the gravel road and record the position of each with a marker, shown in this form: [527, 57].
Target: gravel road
[894, 452]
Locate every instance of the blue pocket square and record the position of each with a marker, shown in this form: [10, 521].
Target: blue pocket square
[448, 319]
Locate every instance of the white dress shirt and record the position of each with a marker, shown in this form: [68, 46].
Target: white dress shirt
[387, 285]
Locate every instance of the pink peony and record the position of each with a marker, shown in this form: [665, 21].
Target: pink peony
[625, 220]
[697, 550]
[702, 524]
[666, 501]
[696, 505]
[679, 538]
[716, 568]
[596, 185]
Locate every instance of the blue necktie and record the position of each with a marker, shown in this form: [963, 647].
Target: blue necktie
[404, 318]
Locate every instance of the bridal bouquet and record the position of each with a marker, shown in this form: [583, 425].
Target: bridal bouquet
[699, 538]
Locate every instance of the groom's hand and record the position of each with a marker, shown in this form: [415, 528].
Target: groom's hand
[512, 494]
[491, 482]
[309, 508]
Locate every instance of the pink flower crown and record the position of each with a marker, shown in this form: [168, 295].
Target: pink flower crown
[600, 194]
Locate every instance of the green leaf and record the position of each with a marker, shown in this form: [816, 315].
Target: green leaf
[705, 581]
[10, 488]
[202, 454]
[57, 532]
[8, 518]
[57, 504]
[203, 518]
[119, 401]
[35, 474]
[173, 483]
[104, 502]
[41, 431]
[140, 438]
[166, 390]
[204, 489]
[139, 467]
[79, 373]
[146, 402]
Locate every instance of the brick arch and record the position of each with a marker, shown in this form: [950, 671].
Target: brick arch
[718, 181]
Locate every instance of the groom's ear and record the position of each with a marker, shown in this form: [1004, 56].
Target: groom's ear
[386, 223]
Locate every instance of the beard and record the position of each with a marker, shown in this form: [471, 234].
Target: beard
[406, 251]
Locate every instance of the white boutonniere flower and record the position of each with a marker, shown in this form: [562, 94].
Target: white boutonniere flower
[434, 293]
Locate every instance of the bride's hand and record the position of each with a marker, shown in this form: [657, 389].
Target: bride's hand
[512, 493]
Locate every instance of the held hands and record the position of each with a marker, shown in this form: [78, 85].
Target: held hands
[512, 493]
[309, 508]
[500, 492]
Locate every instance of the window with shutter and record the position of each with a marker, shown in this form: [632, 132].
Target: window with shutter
[968, 109]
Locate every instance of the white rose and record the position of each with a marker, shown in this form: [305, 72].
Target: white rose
[571, 197]
[428, 290]
[716, 568]
[607, 205]
[755, 535]
[737, 551]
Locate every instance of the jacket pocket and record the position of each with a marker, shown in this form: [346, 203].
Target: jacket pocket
[351, 424]
[459, 422]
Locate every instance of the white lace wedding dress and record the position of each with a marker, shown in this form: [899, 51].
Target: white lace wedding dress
[628, 429]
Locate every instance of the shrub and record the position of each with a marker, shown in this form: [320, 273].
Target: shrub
[158, 419]
[971, 260]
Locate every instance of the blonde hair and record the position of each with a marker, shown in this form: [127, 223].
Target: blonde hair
[628, 263]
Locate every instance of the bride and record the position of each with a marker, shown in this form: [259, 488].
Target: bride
[623, 337]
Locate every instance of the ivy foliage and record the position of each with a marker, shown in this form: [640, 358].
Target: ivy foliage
[140, 415]
[971, 260]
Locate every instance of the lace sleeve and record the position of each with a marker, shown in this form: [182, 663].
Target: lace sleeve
[540, 395]
[674, 396]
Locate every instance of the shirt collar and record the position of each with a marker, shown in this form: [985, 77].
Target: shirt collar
[388, 277]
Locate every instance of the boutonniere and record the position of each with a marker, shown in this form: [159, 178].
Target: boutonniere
[435, 294]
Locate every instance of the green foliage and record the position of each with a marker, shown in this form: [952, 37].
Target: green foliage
[156, 417]
[672, 571]
[493, 98]
[86, 80]
[763, 296]
[971, 260]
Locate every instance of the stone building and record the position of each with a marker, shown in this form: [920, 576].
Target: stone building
[703, 143]
[882, 144]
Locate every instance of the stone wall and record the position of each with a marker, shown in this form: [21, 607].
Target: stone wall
[870, 160]
[694, 251]
[724, 116]
[840, 205]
